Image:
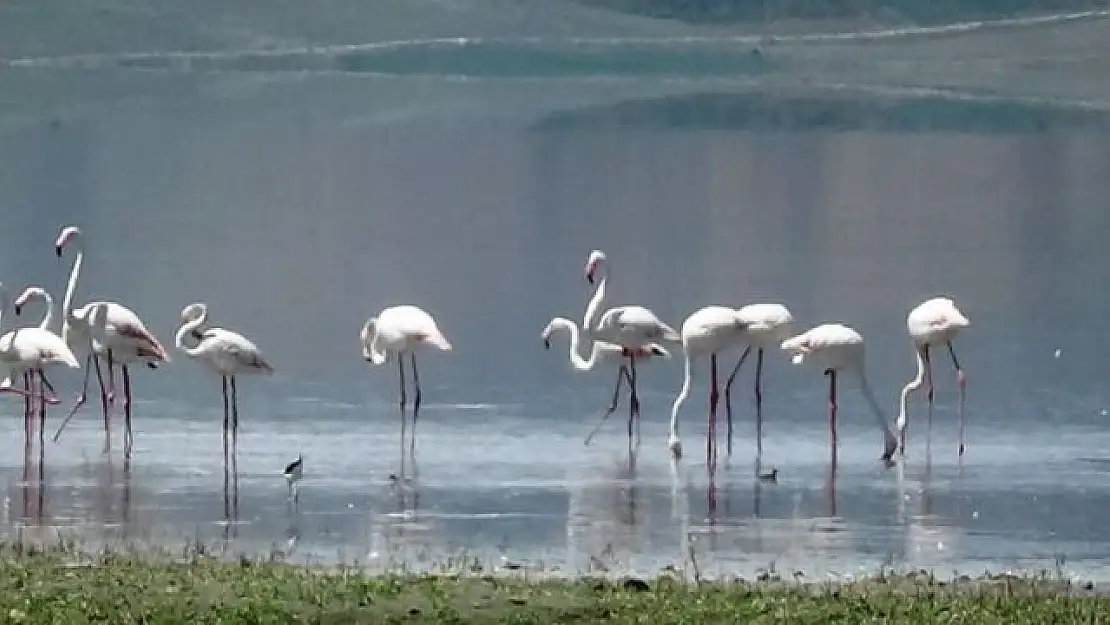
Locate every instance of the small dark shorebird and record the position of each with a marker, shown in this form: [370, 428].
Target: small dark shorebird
[769, 476]
[293, 473]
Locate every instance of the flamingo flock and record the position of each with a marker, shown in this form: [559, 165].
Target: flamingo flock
[624, 334]
[109, 333]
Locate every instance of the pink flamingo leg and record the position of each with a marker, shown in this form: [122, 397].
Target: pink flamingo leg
[633, 410]
[127, 440]
[711, 435]
[728, 397]
[51, 399]
[42, 419]
[28, 414]
[961, 383]
[758, 403]
[929, 393]
[111, 396]
[622, 373]
[832, 411]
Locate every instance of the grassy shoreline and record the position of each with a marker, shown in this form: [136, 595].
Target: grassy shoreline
[63, 586]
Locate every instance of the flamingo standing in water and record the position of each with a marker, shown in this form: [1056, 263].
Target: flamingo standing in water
[227, 353]
[933, 322]
[602, 353]
[29, 351]
[768, 324]
[835, 348]
[713, 329]
[394, 332]
[631, 327]
[121, 339]
[706, 331]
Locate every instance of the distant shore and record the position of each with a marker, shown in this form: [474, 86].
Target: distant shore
[61, 585]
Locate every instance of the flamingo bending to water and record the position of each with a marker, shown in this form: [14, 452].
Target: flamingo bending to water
[933, 322]
[767, 325]
[225, 352]
[836, 348]
[631, 327]
[601, 353]
[121, 339]
[394, 332]
[706, 331]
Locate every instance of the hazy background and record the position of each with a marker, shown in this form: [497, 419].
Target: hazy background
[300, 167]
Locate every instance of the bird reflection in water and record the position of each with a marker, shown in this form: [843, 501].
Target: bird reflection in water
[32, 488]
[930, 538]
[399, 535]
[606, 525]
[231, 498]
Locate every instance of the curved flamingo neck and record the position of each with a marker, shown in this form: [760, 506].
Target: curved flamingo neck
[687, 380]
[48, 317]
[910, 387]
[71, 288]
[186, 329]
[595, 302]
[576, 359]
[371, 346]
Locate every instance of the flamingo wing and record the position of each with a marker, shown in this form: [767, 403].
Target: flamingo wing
[145, 343]
[641, 320]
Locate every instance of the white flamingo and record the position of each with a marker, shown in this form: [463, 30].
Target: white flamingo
[935, 321]
[706, 331]
[601, 353]
[121, 339]
[713, 329]
[394, 332]
[768, 324]
[29, 351]
[227, 353]
[834, 348]
[37, 292]
[631, 327]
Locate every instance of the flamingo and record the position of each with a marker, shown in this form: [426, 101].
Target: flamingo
[29, 351]
[933, 322]
[37, 292]
[706, 331]
[836, 347]
[714, 328]
[394, 332]
[768, 324]
[631, 327]
[123, 339]
[227, 353]
[602, 353]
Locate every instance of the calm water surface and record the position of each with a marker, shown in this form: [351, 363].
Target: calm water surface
[297, 192]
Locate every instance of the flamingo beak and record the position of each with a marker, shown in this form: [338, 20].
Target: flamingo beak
[17, 308]
[547, 344]
[58, 250]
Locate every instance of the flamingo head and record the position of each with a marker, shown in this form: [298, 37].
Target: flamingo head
[366, 336]
[28, 293]
[799, 345]
[68, 234]
[596, 258]
[546, 335]
[193, 311]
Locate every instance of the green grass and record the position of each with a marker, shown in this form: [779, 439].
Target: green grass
[59, 586]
